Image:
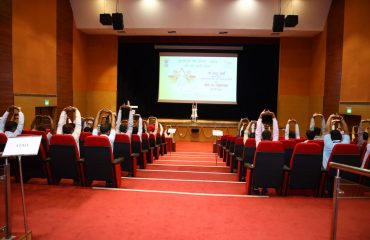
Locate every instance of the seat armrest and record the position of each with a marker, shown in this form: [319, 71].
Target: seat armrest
[144, 150]
[231, 153]
[48, 159]
[135, 155]
[118, 160]
[240, 159]
[82, 160]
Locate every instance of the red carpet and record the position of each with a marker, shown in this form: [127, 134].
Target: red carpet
[69, 212]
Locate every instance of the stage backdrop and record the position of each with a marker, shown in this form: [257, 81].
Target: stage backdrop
[257, 79]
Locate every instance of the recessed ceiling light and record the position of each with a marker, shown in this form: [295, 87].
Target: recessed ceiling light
[223, 32]
[171, 31]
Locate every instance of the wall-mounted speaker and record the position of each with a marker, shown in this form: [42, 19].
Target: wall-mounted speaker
[291, 20]
[105, 19]
[117, 20]
[278, 23]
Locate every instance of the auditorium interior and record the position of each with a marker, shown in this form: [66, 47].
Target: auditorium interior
[194, 175]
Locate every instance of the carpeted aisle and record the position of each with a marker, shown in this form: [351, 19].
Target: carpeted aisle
[179, 196]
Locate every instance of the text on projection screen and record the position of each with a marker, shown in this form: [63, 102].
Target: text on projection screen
[198, 77]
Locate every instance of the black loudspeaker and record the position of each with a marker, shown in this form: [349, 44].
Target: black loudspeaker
[291, 20]
[105, 19]
[117, 20]
[278, 24]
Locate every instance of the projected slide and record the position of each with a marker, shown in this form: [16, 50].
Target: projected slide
[197, 77]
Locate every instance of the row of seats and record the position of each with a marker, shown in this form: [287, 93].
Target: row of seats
[61, 159]
[287, 164]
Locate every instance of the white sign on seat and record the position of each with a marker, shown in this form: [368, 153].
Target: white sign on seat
[22, 146]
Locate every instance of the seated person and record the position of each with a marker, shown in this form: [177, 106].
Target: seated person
[107, 127]
[292, 134]
[243, 123]
[12, 127]
[250, 130]
[319, 131]
[334, 136]
[67, 126]
[153, 125]
[125, 120]
[138, 125]
[310, 135]
[265, 122]
[363, 133]
[88, 124]
[43, 123]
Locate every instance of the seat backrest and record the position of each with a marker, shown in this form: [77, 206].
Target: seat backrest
[81, 142]
[99, 143]
[348, 154]
[249, 150]
[158, 138]
[232, 144]
[288, 149]
[268, 164]
[239, 147]
[122, 146]
[317, 141]
[305, 164]
[3, 140]
[224, 140]
[65, 141]
[152, 140]
[135, 143]
[145, 141]
[44, 138]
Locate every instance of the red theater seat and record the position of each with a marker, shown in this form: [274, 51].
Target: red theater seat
[83, 136]
[348, 154]
[122, 148]
[35, 166]
[100, 163]
[267, 168]
[288, 149]
[136, 147]
[230, 155]
[317, 141]
[146, 147]
[3, 140]
[154, 145]
[238, 154]
[248, 157]
[65, 159]
[44, 138]
[304, 170]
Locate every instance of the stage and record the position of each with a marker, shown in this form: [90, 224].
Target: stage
[200, 131]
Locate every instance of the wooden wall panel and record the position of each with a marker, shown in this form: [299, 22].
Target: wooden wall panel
[64, 54]
[6, 62]
[334, 49]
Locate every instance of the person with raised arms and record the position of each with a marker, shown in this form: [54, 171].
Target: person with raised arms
[292, 134]
[67, 127]
[14, 126]
[264, 125]
[107, 127]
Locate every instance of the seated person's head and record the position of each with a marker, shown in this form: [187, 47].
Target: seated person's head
[252, 135]
[88, 129]
[292, 134]
[365, 136]
[317, 131]
[123, 128]
[310, 134]
[68, 128]
[266, 135]
[105, 128]
[335, 135]
[10, 126]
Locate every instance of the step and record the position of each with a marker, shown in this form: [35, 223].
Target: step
[188, 167]
[190, 162]
[185, 185]
[191, 175]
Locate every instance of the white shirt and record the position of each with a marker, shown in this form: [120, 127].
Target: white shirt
[260, 129]
[77, 131]
[329, 145]
[297, 136]
[19, 126]
[130, 123]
